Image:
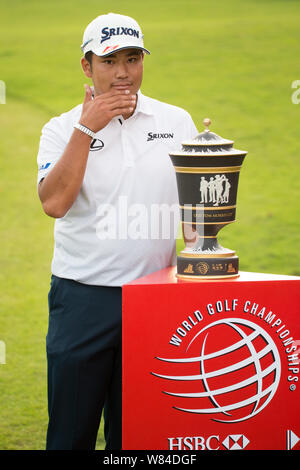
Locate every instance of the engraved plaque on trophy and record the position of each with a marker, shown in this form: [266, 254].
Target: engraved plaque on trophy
[207, 172]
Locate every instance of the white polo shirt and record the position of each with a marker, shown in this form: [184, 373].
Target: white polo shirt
[124, 221]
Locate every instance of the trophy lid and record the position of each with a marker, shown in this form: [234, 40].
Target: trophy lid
[207, 142]
[208, 138]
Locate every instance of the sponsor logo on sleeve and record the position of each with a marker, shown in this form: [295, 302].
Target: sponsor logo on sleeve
[44, 166]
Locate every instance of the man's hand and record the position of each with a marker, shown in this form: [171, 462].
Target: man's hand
[61, 186]
[98, 112]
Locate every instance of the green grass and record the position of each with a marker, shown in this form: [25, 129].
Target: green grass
[233, 61]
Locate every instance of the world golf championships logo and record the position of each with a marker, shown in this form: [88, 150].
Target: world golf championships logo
[236, 381]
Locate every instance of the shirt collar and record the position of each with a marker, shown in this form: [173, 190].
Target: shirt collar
[143, 104]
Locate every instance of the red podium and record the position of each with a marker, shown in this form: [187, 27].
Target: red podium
[211, 365]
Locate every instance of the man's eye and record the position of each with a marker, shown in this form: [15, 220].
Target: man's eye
[109, 62]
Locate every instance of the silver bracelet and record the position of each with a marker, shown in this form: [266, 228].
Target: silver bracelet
[85, 130]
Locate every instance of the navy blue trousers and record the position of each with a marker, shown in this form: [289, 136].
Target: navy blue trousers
[84, 355]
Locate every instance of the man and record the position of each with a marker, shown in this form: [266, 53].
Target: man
[102, 158]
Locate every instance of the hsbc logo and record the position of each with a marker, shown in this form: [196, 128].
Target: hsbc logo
[213, 442]
[235, 442]
[230, 369]
[221, 395]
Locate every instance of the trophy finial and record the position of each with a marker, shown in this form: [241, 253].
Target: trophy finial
[207, 123]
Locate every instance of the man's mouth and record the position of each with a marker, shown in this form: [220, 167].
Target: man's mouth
[122, 85]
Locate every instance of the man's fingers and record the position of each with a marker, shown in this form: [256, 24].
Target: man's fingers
[116, 99]
[122, 105]
[111, 94]
[88, 93]
[98, 112]
[121, 110]
[120, 101]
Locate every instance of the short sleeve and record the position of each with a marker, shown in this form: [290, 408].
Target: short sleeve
[191, 130]
[51, 148]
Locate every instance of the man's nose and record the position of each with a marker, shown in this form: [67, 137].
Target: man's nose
[121, 71]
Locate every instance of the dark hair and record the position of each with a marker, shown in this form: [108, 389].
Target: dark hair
[89, 57]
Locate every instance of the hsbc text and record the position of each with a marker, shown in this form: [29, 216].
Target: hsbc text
[194, 443]
[213, 442]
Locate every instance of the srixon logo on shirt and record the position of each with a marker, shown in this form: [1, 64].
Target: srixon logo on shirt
[164, 135]
[120, 31]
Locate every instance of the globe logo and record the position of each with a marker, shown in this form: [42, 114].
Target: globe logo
[232, 374]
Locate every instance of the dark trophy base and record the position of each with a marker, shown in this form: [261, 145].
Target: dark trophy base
[207, 267]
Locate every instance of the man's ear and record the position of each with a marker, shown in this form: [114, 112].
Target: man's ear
[86, 67]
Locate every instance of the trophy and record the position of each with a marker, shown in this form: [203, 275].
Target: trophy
[207, 172]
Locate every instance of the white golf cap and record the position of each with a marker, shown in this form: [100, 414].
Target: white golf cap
[109, 33]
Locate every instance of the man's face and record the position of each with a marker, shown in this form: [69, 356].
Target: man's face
[122, 70]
